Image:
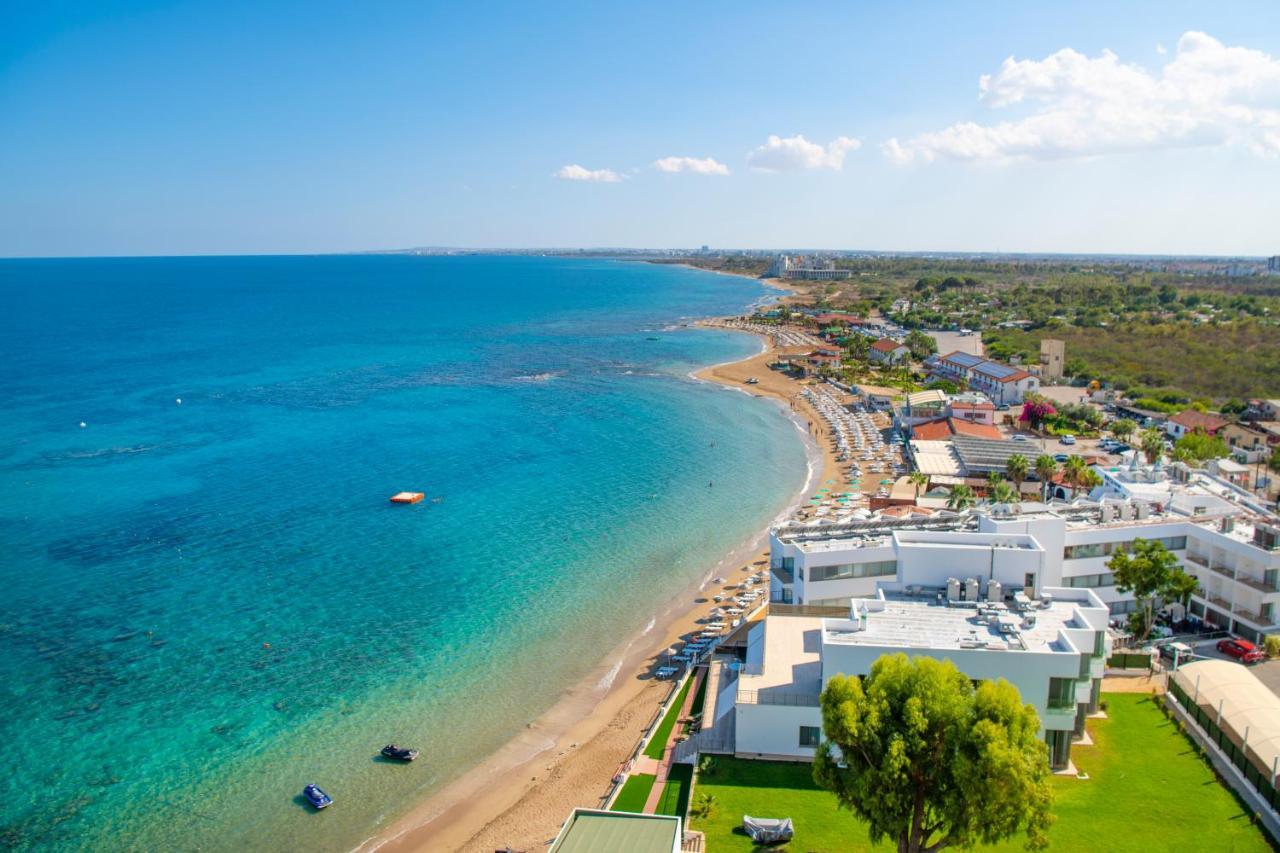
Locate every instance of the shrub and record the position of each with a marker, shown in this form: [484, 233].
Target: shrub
[1272, 645]
[704, 806]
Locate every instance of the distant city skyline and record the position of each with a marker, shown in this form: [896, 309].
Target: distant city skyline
[215, 128]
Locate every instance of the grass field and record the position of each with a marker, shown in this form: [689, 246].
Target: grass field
[1147, 792]
[675, 795]
[634, 793]
[658, 742]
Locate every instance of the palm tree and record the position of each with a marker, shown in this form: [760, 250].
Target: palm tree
[1046, 467]
[1074, 472]
[1016, 468]
[961, 498]
[994, 478]
[1003, 493]
[1152, 443]
[920, 480]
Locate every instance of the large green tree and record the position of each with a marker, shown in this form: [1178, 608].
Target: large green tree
[1123, 428]
[930, 761]
[1150, 571]
[1199, 446]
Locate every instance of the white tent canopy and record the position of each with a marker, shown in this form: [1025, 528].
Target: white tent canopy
[1246, 703]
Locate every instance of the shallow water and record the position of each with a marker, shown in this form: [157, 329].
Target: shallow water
[205, 605]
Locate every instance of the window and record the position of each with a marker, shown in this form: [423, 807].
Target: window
[1106, 549]
[1090, 581]
[853, 570]
[1061, 693]
[810, 736]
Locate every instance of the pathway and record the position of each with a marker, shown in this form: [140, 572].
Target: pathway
[664, 768]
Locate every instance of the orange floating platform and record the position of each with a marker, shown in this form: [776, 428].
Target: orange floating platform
[407, 497]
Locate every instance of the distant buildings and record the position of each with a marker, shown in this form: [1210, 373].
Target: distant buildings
[1052, 354]
[1273, 265]
[806, 268]
[889, 351]
[1190, 421]
[1003, 385]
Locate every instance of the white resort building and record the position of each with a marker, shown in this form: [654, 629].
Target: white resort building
[1019, 592]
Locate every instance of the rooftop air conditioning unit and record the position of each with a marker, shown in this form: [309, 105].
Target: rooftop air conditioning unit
[1108, 513]
[1143, 510]
[953, 589]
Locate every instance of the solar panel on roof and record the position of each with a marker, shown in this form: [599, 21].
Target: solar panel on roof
[996, 371]
[965, 359]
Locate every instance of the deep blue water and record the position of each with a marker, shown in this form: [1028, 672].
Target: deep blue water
[204, 606]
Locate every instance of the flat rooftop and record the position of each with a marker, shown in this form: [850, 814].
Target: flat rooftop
[590, 831]
[920, 622]
[790, 658]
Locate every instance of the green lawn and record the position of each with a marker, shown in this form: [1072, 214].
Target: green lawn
[675, 795]
[634, 793]
[699, 698]
[658, 742]
[1147, 792]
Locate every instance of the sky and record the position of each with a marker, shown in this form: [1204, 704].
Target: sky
[229, 127]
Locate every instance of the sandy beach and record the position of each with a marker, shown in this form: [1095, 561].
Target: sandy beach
[569, 757]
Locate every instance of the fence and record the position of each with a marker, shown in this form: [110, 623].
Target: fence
[1129, 660]
[1261, 780]
[624, 771]
[773, 697]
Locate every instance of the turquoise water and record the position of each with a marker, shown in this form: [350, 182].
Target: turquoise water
[205, 606]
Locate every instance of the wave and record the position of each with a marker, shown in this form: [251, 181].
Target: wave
[539, 377]
[606, 680]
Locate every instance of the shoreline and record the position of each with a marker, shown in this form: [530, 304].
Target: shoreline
[569, 756]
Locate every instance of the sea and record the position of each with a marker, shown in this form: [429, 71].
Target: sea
[207, 600]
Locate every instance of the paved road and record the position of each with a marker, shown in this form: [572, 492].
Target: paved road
[949, 342]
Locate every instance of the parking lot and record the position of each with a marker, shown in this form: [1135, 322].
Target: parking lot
[1268, 672]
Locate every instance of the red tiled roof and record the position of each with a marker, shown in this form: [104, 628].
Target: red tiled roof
[886, 345]
[1191, 419]
[960, 427]
[944, 428]
[932, 431]
[976, 407]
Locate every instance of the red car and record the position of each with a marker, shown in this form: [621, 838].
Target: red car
[1242, 650]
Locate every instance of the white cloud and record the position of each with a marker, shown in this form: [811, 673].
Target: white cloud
[574, 172]
[796, 153]
[1208, 94]
[701, 166]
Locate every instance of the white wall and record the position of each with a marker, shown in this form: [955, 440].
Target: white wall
[929, 559]
[774, 729]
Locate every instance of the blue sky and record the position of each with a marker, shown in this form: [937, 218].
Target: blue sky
[226, 127]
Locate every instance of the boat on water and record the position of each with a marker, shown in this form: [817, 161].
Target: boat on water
[317, 797]
[398, 754]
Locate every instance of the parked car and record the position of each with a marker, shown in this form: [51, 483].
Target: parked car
[1060, 457]
[1183, 652]
[1068, 439]
[1021, 437]
[1242, 650]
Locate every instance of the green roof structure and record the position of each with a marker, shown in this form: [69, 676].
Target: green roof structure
[591, 830]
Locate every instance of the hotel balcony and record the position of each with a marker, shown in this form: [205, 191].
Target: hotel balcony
[1256, 583]
[1261, 620]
